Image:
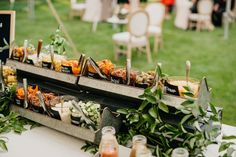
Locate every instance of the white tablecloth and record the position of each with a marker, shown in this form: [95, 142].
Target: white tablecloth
[46, 142]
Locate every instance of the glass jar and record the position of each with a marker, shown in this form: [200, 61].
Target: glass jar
[180, 152]
[139, 142]
[108, 146]
[143, 152]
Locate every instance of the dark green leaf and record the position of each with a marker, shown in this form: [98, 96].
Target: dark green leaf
[143, 105]
[122, 111]
[153, 126]
[188, 94]
[148, 118]
[225, 145]
[147, 91]
[163, 107]
[187, 88]
[153, 112]
[187, 102]
[213, 109]
[151, 99]
[231, 137]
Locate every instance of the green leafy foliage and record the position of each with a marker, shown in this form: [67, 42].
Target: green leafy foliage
[193, 132]
[59, 42]
[90, 147]
[6, 99]
[12, 122]
[7, 46]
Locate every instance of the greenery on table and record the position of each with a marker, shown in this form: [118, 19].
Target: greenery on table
[10, 121]
[194, 131]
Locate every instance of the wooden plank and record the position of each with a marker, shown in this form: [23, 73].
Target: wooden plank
[113, 88]
[79, 132]
[67, 78]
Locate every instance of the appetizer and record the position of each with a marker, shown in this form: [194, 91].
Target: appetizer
[145, 79]
[9, 76]
[106, 67]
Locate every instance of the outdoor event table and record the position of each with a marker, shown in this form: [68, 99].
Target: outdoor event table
[116, 21]
[46, 142]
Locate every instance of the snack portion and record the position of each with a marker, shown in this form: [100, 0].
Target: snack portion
[9, 76]
[106, 67]
[145, 80]
[119, 76]
[70, 67]
[86, 114]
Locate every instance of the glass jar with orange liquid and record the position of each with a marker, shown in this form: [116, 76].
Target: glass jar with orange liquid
[139, 143]
[108, 146]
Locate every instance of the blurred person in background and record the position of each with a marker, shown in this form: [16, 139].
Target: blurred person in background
[194, 6]
[218, 9]
[169, 7]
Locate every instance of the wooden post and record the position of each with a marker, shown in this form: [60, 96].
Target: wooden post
[226, 21]
[31, 12]
[59, 21]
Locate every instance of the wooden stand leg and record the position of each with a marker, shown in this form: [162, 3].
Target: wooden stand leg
[116, 53]
[156, 43]
[129, 52]
[149, 58]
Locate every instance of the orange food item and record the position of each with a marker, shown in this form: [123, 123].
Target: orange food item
[106, 66]
[91, 69]
[72, 63]
[31, 91]
[76, 71]
[20, 93]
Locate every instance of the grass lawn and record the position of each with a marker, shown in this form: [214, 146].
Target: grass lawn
[211, 56]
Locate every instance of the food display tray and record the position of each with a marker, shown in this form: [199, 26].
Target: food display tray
[79, 132]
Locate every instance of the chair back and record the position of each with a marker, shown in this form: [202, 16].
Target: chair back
[156, 12]
[134, 5]
[138, 23]
[205, 7]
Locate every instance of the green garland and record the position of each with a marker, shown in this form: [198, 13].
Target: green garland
[163, 137]
[10, 121]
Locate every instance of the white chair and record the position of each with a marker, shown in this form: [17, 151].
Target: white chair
[202, 19]
[156, 12]
[136, 37]
[134, 5]
[182, 13]
[76, 9]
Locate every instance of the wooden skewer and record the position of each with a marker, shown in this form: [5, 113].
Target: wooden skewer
[188, 66]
